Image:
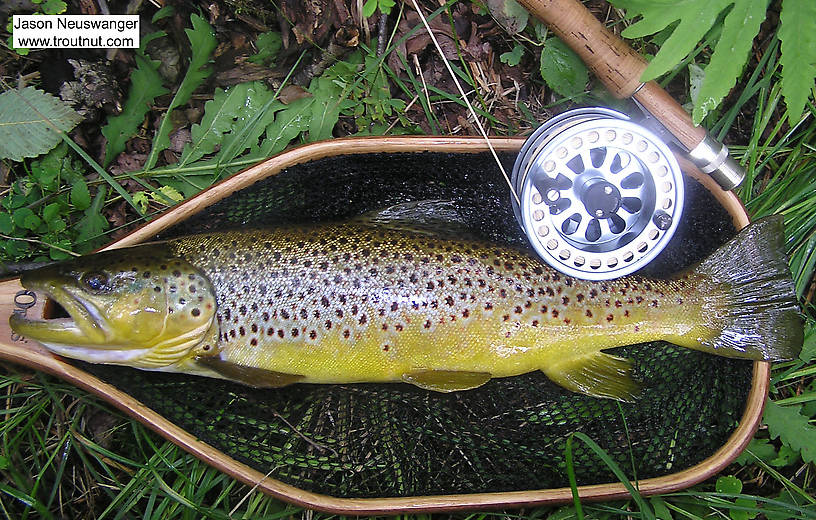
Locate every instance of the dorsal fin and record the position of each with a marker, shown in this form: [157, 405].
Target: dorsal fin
[441, 218]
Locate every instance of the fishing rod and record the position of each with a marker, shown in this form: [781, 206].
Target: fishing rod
[619, 67]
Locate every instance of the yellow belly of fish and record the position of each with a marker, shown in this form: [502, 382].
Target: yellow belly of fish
[485, 343]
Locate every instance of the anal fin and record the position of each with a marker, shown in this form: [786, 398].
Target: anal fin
[446, 380]
[250, 376]
[596, 374]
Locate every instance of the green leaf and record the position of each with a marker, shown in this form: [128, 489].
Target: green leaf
[219, 116]
[661, 510]
[510, 15]
[695, 17]
[268, 44]
[141, 200]
[792, 428]
[562, 69]
[80, 196]
[167, 195]
[760, 449]
[740, 27]
[325, 109]
[202, 42]
[797, 31]
[51, 212]
[369, 7]
[728, 484]
[234, 120]
[513, 57]
[289, 123]
[92, 224]
[6, 225]
[145, 86]
[25, 218]
[808, 352]
[28, 119]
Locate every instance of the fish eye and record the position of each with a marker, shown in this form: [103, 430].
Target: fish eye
[95, 281]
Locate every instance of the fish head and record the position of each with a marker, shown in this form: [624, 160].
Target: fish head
[136, 306]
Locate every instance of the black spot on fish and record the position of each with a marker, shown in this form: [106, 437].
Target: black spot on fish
[565, 300]
[195, 312]
[588, 313]
[609, 317]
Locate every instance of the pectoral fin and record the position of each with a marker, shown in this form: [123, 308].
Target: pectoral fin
[251, 376]
[446, 380]
[596, 374]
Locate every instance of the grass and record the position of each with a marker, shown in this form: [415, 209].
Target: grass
[66, 454]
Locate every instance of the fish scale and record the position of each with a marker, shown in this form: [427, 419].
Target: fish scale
[366, 301]
[348, 302]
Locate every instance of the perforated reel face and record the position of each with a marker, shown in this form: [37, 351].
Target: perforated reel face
[600, 196]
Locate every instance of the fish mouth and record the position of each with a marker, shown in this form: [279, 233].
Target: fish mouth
[75, 320]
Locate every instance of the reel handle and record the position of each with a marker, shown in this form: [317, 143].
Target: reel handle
[620, 68]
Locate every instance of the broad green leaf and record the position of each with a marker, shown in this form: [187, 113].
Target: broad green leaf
[513, 57]
[92, 224]
[202, 42]
[808, 353]
[325, 109]
[510, 15]
[234, 120]
[80, 196]
[792, 428]
[289, 123]
[145, 86]
[562, 69]
[51, 212]
[760, 449]
[6, 225]
[28, 119]
[728, 484]
[167, 195]
[219, 116]
[730, 54]
[57, 254]
[141, 200]
[797, 31]
[25, 218]
[268, 44]
[369, 7]
[695, 17]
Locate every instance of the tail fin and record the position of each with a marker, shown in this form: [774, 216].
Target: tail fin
[762, 315]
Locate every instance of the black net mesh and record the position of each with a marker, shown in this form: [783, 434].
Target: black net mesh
[370, 440]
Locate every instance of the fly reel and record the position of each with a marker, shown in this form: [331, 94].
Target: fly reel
[600, 196]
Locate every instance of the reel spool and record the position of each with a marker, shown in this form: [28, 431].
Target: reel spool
[600, 196]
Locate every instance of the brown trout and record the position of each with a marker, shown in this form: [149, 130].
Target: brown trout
[356, 302]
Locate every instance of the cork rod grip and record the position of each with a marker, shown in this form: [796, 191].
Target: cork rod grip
[614, 62]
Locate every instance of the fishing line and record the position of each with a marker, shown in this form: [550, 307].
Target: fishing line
[464, 97]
